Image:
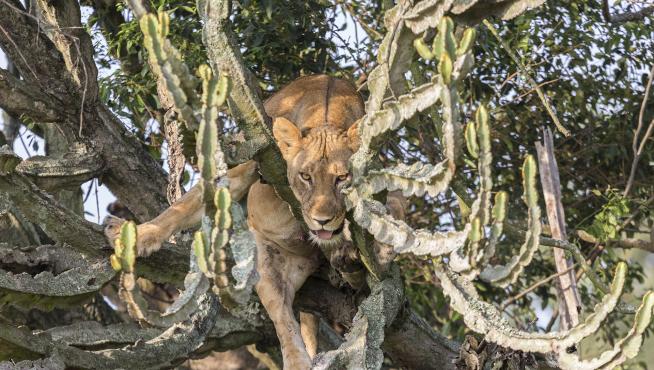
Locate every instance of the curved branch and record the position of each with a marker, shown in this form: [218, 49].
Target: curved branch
[21, 98]
[74, 168]
[169, 347]
[61, 276]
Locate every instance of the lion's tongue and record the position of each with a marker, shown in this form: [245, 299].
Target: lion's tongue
[324, 234]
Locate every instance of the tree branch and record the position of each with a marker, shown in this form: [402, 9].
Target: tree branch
[627, 16]
[49, 275]
[58, 222]
[244, 101]
[131, 173]
[627, 243]
[525, 71]
[19, 98]
[64, 26]
[63, 226]
[636, 146]
[168, 348]
[74, 168]
[34, 55]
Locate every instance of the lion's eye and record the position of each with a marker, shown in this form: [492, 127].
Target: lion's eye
[341, 178]
[305, 176]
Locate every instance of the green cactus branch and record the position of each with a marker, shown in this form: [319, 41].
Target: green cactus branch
[371, 214]
[625, 349]
[210, 244]
[137, 306]
[467, 259]
[168, 65]
[464, 257]
[413, 180]
[196, 316]
[485, 318]
[504, 275]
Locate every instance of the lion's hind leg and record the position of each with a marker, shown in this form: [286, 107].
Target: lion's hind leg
[309, 332]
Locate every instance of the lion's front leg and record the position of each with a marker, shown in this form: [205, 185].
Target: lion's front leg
[281, 274]
[186, 212]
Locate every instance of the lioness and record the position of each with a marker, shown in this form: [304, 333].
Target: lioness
[314, 126]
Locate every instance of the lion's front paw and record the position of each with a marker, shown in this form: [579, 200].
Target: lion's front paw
[148, 236]
[345, 259]
[112, 229]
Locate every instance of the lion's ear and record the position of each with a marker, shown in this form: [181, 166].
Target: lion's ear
[288, 137]
[353, 136]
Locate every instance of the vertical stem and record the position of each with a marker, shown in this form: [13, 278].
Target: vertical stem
[569, 302]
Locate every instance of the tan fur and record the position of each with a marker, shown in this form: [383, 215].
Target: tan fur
[314, 125]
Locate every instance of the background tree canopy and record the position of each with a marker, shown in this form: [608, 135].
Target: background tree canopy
[589, 58]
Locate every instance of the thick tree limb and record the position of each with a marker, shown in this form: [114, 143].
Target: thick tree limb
[244, 101]
[66, 227]
[58, 222]
[362, 348]
[74, 43]
[430, 351]
[35, 56]
[18, 98]
[428, 347]
[131, 173]
[167, 349]
[74, 168]
[54, 276]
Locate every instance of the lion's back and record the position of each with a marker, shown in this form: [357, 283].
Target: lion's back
[313, 101]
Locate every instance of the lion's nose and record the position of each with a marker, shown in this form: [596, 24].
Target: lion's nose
[323, 221]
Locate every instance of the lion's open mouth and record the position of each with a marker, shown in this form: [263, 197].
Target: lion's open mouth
[327, 234]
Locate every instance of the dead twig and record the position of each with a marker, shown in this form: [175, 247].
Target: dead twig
[510, 300]
[637, 146]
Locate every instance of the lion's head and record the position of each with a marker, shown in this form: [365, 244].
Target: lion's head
[317, 165]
